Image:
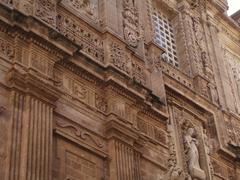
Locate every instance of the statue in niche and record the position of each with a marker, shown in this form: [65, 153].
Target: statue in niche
[191, 146]
[174, 171]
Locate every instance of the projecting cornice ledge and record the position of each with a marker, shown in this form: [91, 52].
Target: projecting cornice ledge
[13, 20]
[28, 83]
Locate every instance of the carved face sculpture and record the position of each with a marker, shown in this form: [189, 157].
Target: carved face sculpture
[190, 131]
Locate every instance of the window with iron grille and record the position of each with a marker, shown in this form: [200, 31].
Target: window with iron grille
[164, 36]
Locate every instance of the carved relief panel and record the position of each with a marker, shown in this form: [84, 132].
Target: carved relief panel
[86, 9]
[194, 145]
[81, 92]
[232, 62]
[46, 11]
[192, 25]
[232, 125]
[152, 131]
[120, 58]
[130, 23]
[90, 42]
[6, 50]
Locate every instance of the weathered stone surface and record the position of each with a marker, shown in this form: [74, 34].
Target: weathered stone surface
[86, 92]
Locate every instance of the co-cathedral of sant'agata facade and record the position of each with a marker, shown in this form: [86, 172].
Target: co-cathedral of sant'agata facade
[119, 90]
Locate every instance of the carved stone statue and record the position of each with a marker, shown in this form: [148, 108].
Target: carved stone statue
[191, 146]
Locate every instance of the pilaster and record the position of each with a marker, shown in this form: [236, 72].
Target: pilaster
[123, 151]
[30, 131]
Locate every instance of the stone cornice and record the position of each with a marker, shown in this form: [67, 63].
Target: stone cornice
[31, 29]
[192, 96]
[133, 90]
[48, 38]
[28, 83]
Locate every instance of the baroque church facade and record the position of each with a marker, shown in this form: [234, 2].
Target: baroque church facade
[119, 90]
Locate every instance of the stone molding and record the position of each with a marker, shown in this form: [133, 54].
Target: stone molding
[120, 79]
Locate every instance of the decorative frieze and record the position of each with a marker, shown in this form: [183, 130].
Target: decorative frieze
[152, 131]
[6, 50]
[78, 91]
[138, 73]
[232, 130]
[88, 8]
[233, 70]
[42, 63]
[114, 86]
[46, 11]
[120, 58]
[26, 6]
[91, 44]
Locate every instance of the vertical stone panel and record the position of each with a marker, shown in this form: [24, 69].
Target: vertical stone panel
[127, 162]
[31, 141]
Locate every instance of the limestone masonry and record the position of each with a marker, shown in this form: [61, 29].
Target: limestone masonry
[119, 90]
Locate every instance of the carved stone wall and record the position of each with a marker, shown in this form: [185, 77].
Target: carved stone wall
[85, 92]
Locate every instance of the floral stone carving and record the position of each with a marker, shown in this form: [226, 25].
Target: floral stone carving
[130, 23]
[86, 7]
[46, 11]
[119, 58]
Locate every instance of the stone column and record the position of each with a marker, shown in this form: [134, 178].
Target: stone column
[30, 131]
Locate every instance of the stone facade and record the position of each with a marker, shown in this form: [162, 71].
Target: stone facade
[89, 92]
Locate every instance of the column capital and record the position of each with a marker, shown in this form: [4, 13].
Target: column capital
[30, 84]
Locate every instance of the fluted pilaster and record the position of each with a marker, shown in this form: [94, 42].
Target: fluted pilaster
[127, 161]
[30, 131]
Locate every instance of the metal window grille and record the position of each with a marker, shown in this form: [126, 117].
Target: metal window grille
[164, 37]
